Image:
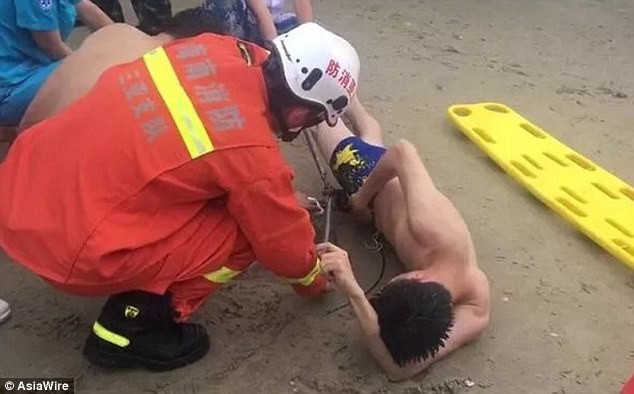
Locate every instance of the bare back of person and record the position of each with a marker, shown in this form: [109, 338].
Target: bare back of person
[438, 246]
[393, 188]
[77, 74]
[425, 229]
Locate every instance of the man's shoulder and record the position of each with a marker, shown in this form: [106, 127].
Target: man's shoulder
[107, 37]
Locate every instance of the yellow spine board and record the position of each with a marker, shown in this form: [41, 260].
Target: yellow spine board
[595, 201]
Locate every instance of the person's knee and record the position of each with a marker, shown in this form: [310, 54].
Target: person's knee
[405, 148]
[405, 152]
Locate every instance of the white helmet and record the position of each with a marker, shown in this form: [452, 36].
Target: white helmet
[320, 67]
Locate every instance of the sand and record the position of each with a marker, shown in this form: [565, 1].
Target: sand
[562, 307]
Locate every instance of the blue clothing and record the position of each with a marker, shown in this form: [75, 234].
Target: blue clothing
[352, 161]
[234, 18]
[15, 101]
[23, 65]
[285, 25]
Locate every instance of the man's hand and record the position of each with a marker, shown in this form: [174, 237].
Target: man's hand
[336, 265]
[51, 43]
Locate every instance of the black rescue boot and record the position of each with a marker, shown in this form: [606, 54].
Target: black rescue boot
[138, 329]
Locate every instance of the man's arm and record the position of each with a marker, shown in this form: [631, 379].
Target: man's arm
[264, 17]
[364, 125]
[43, 24]
[385, 170]
[469, 320]
[92, 16]
[51, 43]
[469, 323]
[262, 201]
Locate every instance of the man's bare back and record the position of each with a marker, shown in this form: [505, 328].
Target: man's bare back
[427, 233]
[425, 229]
[77, 74]
[431, 239]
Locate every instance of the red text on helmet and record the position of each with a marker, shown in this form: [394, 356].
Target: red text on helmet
[344, 77]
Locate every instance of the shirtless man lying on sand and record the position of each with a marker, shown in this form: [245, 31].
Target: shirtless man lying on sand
[442, 301]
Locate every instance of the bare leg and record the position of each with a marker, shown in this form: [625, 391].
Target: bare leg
[420, 193]
[431, 215]
[328, 138]
[364, 124]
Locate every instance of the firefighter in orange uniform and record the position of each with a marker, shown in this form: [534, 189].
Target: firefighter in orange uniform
[165, 181]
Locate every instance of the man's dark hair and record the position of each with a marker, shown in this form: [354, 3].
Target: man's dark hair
[415, 319]
[192, 22]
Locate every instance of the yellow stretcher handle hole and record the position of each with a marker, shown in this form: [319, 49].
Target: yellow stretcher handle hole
[533, 162]
[462, 111]
[624, 245]
[574, 195]
[580, 161]
[629, 193]
[556, 159]
[497, 108]
[571, 207]
[484, 135]
[605, 190]
[619, 227]
[533, 130]
[522, 168]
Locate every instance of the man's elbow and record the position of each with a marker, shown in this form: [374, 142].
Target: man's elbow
[483, 323]
[400, 374]
[478, 326]
[397, 373]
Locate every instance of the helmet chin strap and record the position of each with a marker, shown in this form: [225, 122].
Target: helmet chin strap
[288, 136]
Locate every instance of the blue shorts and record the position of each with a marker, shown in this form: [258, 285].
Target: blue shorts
[16, 99]
[352, 161]
[286, 25]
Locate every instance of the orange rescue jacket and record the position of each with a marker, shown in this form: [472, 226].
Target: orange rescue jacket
[163, 149]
